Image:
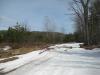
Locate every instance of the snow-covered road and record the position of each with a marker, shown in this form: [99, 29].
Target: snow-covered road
[63, 61]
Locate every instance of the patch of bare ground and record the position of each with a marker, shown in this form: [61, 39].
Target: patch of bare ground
[22, 50]
[8, 59]
[2, 74]
[89, 47]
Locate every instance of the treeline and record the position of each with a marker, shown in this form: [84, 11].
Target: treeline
[19, 35]
[87, 19]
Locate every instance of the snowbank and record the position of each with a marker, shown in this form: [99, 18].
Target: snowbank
[71, 51]
[67, 45]
[23, 59]
[5, 48]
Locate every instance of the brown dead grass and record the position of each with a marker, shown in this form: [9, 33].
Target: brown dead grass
[22, 50]
[13, 52]
[90, 47]
[8, 59]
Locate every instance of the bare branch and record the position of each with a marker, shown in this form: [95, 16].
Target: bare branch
[87, 2]
[77, 12]
[82, 2]
[76, 1]
[78, 6]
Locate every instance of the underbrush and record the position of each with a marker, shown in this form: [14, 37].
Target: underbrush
[89, 47]
[22, 49]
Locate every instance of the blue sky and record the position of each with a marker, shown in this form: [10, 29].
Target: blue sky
[32, 12]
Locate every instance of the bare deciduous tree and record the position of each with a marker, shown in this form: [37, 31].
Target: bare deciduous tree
[81, 8]
[50, 27]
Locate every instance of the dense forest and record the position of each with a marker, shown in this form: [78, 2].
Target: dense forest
[87, 19]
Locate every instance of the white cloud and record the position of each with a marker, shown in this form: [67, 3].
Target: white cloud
[6, 19]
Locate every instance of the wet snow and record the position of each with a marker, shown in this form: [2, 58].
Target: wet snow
[62, 59]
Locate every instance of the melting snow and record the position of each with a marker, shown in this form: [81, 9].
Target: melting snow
[60, 60]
